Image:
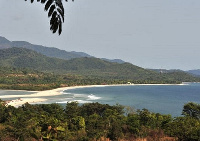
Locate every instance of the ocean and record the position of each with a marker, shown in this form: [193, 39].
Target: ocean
[164, 99]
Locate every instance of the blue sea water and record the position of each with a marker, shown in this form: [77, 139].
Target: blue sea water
[165, 99]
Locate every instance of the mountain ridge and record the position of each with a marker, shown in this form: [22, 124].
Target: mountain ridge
[48, 51]
[86, 66]
[195, 72]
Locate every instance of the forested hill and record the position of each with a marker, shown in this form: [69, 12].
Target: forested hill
[195, 72]
[93, 67]
[4, 43]
[48, 51]
[25, 58]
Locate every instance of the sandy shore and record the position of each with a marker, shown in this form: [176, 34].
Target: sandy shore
[37, 97]
[21, 101]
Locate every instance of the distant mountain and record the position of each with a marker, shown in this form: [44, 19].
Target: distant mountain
[48, 51]
[114, 60]
[166, 71]
[81, 54]
[194, 72]
[4, 43]
[90, 67]
[26, 58]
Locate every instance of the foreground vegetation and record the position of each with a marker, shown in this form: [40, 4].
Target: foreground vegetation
[94, 121]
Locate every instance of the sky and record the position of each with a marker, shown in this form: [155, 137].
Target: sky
[160, 34]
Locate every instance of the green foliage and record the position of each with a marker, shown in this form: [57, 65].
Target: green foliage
[26, 79]
[72, 110]
[185, 128]
[191, 109]
[91, 121]
[133, 123]
[78, 123]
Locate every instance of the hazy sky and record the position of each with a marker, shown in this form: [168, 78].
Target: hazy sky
[162, 34]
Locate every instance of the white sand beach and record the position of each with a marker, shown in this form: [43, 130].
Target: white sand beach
[38, 96]
[21, 101]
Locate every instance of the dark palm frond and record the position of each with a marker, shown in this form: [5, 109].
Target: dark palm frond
[59, 4]
[48, 4]
[54, 15]
[60, 28]
[52, 8]
[55, 27]
[56, 12]
[43, 1]
[61, 13]
[54, 24]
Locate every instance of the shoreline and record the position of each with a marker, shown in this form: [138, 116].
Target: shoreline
[37, 96]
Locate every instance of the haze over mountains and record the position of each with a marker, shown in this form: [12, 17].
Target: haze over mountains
[26, 58]
[91, 67]
[62, 54]
[48, 51]
[194, 72]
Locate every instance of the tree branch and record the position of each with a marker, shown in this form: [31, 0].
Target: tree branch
[55, 12]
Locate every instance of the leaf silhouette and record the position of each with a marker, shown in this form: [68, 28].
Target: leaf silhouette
[55, 12]
[48, 4]
[43, 1]
[61, 13]
[60, 28]
[51, 10]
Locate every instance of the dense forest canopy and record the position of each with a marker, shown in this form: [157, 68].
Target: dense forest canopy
[91, 122]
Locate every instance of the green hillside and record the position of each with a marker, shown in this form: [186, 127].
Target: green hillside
[87, 67]
[25, 58]
[48, 51]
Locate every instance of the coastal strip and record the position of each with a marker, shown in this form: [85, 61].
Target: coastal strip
[20, 101]
[39, 96]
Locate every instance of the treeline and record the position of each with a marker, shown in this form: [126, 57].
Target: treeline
[90, 68]
[94, 121]
[29, 79]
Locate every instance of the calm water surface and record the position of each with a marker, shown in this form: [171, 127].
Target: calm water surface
[165, 99]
